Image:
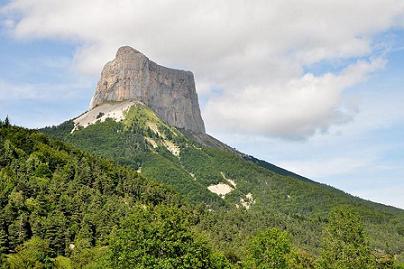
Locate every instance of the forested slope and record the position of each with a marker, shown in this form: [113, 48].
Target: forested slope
[261, 195]
[63, 208]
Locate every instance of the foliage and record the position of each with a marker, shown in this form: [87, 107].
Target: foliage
[90, 257]
[53, 196]
[63, 263]
[158, 238]
[58, 206]
[344, 243]
[32, 254]
[269, 249]
[300, 259]
[281, 199]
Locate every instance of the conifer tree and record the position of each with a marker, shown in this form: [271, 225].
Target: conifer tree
[18, 231]
[6, 122]
[3, 242]
[55, 233]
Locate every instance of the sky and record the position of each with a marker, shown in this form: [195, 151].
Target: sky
[314, 86]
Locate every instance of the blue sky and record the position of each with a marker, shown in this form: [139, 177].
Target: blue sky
[315, 88]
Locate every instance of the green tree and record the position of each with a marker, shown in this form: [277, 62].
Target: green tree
[299, 259]
[62, 263]
[85, 237]
[6, 122]
[3, 242]
[344, 243]
[158, 237]
[18, 231]
[32, 254]
[269, 250]
[90, 258]
[54, 233]
[3, 246]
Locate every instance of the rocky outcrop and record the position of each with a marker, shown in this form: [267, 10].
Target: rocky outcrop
[169, 92]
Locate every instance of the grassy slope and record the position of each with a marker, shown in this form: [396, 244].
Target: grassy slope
[281, 198]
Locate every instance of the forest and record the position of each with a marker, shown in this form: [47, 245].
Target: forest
[62, 207]
[278, 198]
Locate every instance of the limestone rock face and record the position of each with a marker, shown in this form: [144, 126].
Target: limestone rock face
[169, 92]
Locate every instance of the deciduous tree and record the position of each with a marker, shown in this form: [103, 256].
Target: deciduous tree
[344, 243]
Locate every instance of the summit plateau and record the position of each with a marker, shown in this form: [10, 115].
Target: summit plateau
[171, 93]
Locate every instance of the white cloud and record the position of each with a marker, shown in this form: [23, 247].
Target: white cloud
[255, 51]
[295, 109]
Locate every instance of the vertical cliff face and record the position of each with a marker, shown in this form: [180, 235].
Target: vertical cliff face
[169, 92]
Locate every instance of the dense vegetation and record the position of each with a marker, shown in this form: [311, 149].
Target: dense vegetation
[345, 243]
[64, 208]
[278, 198]
[59, 206]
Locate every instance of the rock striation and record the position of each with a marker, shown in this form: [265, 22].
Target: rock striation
[169, 92]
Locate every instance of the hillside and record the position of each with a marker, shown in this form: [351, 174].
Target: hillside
[64, 208]
[243, 195]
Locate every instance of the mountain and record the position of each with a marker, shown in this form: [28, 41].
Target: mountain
[147, 117]
[169, 92]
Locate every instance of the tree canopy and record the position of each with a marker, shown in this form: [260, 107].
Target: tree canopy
[344, 243]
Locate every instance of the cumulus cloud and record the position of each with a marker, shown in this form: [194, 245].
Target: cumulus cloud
[256, 52]
[293, 109]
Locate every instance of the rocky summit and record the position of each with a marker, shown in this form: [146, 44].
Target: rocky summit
[171, 93]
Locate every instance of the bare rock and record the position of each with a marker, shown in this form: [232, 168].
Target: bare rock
[169, 92]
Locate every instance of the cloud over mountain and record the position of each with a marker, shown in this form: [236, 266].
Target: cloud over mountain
[257, 53]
